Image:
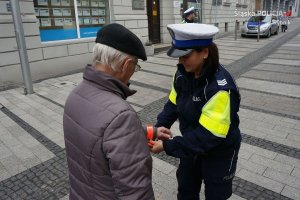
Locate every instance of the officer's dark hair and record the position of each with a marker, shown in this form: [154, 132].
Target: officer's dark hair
[212, 61]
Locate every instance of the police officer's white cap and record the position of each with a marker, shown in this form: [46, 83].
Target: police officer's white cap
[189, 36]
[190, 10]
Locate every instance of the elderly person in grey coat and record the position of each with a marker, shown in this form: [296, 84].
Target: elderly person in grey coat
[107, 152]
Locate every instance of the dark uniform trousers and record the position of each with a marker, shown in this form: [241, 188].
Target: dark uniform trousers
[217, 173]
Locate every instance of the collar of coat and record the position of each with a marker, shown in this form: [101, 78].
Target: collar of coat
[107, 82]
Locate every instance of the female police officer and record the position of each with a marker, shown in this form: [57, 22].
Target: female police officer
[205, 100]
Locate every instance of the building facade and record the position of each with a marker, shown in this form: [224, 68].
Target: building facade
[60, 34]
[280, 5]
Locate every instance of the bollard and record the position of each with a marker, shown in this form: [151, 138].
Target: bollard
[235, 31]
[258, 31]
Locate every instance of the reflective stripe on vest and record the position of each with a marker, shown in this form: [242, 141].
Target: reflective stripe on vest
[173, 93]
[215, 115]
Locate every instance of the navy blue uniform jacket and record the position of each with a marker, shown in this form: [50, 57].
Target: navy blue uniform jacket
[207, 110]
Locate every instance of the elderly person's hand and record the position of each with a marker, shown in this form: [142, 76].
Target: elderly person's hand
[163, 133]
[157, 146]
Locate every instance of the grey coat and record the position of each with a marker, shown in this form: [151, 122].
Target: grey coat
[107, 152]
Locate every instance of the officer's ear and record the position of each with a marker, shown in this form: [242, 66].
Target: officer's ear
[205, 52]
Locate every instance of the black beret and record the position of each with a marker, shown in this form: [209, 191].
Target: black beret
[122, 39]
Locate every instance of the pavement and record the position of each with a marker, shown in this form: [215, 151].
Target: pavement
[32, 157]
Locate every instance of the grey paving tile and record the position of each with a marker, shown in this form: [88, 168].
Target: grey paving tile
[164, 180]
[244, 154]
[162, 193]
[23, 106]
[251, 166]
[294, 137]
[35, 122]
[296, 172]
[17, 111]
[273, 76]
[282, 62]
[286, 159]
[260, 180]
[231, 52]
[145, 96]
[5, 151]
[162, 166]
[16, 131]
[231, 57]
[1, 114]
[21, 152]
[255, 124]
[6, 122]
[293, 121]
[283, 178]
[55, 126]
[31, 162]
[163, 55]
[286, 129]
[59, 140]
[291, 192]
[284, 56]
[4, 174]
[266, 86]
[162, 61]
[136, 108]
[291, 45]
[47, 112]
[224, 47]
[164, 69]
[258, 151]
[284, 51]
[289, 48]
[28, 141]
[3, 130]
[281, 167]
[226, 62]
[42, 153]
[278, 68]
[287, 142]
[9, 140]
[297, 127]
[13, 164]
[153, 79]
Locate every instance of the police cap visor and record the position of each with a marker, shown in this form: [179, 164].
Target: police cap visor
[176, 53]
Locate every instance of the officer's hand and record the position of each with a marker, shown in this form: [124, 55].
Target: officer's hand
[157, 146]
[163, 133]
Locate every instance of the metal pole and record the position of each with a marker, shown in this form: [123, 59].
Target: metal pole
[258, 31]
[235, 31]
[21, 46]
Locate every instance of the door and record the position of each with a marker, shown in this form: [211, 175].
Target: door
[153, 21]
[257, 5]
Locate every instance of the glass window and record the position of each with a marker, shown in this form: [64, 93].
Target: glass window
[260, 18]
[70, 19]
